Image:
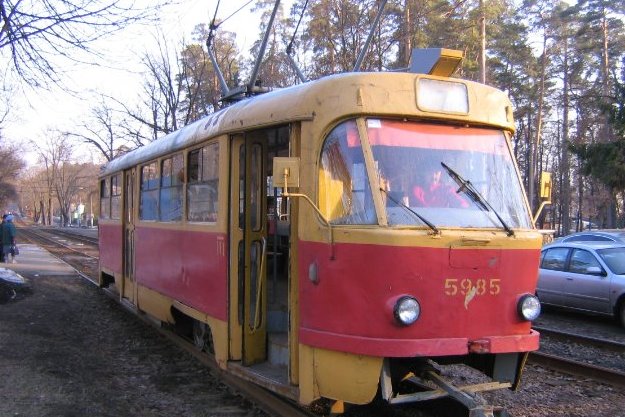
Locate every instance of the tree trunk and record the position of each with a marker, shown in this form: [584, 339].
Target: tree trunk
[566, 165]
[607, 135]
[405, 48]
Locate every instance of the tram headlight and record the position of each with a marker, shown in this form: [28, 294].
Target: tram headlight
[407, 310]
[529, 307]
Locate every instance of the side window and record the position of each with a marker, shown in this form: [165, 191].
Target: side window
[148, 205]
[344, 192]
[203, 187]
[172, 171]
[116, 194]
[581, 260]
[105, 202]
[554, 259]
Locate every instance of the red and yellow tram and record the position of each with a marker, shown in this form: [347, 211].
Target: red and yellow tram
[328, 239]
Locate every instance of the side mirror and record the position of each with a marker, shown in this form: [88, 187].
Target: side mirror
[286, 172]
[286, 175]
[595, 270]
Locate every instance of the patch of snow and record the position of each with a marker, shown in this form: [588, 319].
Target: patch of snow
[11, 276]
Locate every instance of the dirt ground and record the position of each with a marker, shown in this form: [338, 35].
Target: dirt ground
[66, 349]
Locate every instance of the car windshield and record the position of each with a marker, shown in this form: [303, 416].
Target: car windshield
[614, 259]
[451, 176]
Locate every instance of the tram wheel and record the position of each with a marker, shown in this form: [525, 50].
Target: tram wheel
[202, 338]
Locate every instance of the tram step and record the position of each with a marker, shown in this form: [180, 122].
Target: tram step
[278, 348]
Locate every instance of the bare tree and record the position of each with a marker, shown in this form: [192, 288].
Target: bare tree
[34, 194]
[60, 174]
[159, 110]
[179, 87]
[103, 130]
[10, 166]
[37, 32]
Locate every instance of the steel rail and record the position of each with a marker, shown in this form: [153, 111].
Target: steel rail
[29, 232]
[75, 236]
[607, 344]
[572, 367]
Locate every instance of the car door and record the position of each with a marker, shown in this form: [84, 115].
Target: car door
[552, 275]
[587, 286]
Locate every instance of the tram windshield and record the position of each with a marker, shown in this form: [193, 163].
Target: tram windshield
[441, 175]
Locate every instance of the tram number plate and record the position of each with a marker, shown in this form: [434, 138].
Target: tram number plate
[466, 286]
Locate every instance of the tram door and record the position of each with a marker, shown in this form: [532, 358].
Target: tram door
[129, 289]
[249, 243]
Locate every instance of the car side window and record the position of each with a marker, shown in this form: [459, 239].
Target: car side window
[554, 258]
[581, 260]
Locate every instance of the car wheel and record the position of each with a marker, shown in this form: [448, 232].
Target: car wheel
[621, 312]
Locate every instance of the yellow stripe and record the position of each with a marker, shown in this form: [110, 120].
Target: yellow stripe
[470, 239]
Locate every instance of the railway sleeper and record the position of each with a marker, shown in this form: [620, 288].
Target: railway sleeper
[433, 386]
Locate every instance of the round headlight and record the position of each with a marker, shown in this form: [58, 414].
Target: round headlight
[407, 310]
[529, 307]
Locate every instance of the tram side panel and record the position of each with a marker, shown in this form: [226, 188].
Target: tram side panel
[111, 247]
[187, 266]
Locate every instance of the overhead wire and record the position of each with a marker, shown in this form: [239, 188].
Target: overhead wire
[213, 26]
[237, 11]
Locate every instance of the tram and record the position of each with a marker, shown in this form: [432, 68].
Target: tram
[333, 239]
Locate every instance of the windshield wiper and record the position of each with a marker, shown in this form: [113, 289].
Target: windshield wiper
[468, 188]
[420, 217]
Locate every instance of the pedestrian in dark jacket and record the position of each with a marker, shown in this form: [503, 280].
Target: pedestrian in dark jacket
[8, 239]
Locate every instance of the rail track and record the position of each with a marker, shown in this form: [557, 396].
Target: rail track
[76, 236]
[607, 344]
[84, 258]
[578, 367]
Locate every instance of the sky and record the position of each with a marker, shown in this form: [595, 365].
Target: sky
[119, 75]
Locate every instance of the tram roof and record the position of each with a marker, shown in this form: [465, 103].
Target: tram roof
[325, 100]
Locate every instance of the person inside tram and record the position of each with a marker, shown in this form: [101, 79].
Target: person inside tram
[436, 192]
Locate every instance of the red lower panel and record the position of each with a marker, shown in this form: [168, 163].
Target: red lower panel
[465, 295]
[111, 246]
[188, 266]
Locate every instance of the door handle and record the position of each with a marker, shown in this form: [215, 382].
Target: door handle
[259, 290]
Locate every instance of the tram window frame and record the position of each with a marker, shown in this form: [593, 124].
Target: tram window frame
[148, 201]
[202, 195]
[171, 192]
[344, 191]
[105, 201]
[116, 193]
